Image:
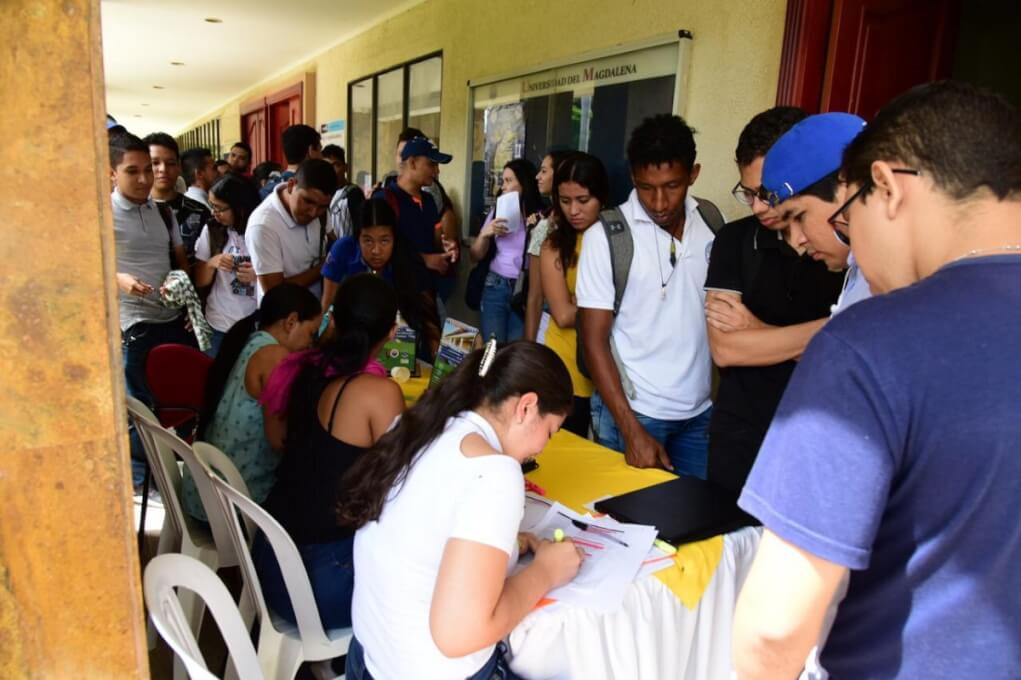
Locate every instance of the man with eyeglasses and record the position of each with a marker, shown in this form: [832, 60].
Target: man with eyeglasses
[893, 458]
[764, 301]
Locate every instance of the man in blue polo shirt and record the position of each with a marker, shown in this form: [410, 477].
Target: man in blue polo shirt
[893, 456]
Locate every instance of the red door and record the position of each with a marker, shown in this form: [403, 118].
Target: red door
[856, 55]
[879, 48]
[284, 109]
[253, 132]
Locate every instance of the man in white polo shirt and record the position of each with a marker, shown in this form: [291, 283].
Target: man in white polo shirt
[286, 235]
[659, 332]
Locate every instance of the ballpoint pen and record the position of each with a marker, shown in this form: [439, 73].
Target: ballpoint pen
[602, 531]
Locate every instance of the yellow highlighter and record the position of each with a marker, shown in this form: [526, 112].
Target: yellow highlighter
[558, 535]
[665, 547]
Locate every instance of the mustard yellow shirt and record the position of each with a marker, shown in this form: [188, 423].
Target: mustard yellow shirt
[564, 341]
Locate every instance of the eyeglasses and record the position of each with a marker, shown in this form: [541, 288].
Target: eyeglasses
[746, 196]
[840, 219]
[217, 210]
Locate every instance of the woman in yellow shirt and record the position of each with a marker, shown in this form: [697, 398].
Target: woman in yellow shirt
[580, 190]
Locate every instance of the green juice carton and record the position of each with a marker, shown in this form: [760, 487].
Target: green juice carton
[400, 352]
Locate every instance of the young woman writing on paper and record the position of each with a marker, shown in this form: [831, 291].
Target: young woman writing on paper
[338, 403]
[580, 190]
[438, 502]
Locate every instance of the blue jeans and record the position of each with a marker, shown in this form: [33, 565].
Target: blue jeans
[497, 316]
[135, 345]
[495, 669]
[215, 342]
[686, 441]
[331, 571]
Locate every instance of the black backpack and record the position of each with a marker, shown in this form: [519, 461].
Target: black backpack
[622, 251]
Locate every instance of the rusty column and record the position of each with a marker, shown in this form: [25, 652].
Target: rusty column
[70, 598]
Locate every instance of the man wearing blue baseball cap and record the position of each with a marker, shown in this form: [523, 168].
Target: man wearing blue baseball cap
[418, 216]
[800, 176]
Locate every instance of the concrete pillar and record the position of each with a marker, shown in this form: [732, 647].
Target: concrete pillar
[70, 597]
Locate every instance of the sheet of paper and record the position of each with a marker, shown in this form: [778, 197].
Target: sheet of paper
[614, 553]
[655, 560]
[508, 207]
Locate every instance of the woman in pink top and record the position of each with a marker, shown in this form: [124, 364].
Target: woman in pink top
[505, 250]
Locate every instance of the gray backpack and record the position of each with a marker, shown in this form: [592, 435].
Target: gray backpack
[622, 251]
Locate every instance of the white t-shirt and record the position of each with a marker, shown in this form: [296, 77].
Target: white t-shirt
[397, 558]
[229, 300]
[198, 194]
[856, 288]
[662, 341]
[278, 244]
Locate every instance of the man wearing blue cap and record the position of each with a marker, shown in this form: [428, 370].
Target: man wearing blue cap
[893, 458]
[799, 176]
[418, 217]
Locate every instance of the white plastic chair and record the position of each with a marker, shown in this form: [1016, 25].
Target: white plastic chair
[180, 533]
[166, 572]
[281, 647]
[212, 545]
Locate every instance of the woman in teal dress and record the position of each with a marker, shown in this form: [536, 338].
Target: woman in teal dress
[231, 418]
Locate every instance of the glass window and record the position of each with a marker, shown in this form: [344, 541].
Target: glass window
[389, 119]
[362, 114]
[381, 106]
[591, 106]
[424, 83]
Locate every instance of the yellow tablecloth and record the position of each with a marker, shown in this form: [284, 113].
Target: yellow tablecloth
[576, 472]
[414, 387]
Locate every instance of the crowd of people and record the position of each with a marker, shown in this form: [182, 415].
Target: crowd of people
[874, 440]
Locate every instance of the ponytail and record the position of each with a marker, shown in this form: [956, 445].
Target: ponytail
[516, 369]
[364, 311]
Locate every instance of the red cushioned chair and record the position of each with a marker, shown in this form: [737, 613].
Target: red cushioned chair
[177, 381]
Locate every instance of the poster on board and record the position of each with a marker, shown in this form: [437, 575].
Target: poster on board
[333, 132]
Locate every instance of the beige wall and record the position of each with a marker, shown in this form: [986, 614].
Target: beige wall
[735, 61]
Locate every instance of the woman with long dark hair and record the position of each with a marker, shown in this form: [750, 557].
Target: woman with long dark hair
[581, 188]
[506, 250]
[339, 403]
[231, 417]
[437, 503]
[223, 258]
[535, 325]
[375, 246]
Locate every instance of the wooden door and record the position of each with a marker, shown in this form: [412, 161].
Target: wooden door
[253, 132]
[284, 108]
[879, 48]
[856, 55]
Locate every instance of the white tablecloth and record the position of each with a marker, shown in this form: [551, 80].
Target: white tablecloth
[652, 636]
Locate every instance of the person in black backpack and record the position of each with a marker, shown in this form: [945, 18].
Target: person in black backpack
[755, 266]
[191, 215]
[640, 307]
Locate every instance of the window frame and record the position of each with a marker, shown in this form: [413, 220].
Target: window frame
[405, 69]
